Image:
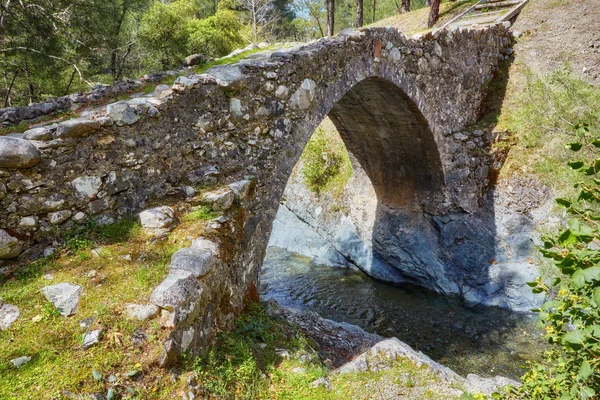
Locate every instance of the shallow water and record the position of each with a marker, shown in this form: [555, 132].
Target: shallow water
[482, 340]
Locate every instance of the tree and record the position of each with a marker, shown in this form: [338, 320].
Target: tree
[260, 15]
[216, 35]
[359, 13]
[315, 10]
[405, 6]
[434, 13]
[330, 16]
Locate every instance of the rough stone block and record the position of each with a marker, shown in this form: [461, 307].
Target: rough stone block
[177, 289]
[197, 260]
[17, 153]
[64, 296]
[76, 128]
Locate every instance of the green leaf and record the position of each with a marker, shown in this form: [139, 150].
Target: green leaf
[574, 339]
[110, 394]
[575, 164]
[564, 203]
[596, 143]
[97, 375]
[596, 297]
[532, 284]
[132, 373]
[574, 146]
[585, 371]
[587, 392]
[556, 281]
[578, 278]
[591, 274]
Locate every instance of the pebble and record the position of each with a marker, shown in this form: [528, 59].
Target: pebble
[20, 361]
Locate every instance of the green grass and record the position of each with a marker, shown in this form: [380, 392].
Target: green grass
[201, 213]
[200, 69]
[541, 112]
[325, 163]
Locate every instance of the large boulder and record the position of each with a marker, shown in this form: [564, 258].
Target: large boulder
[17, 153]
[10, 247]
[64, 296]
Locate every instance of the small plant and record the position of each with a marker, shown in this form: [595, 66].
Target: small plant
[571, 316]
[50, 310]
[202, 213]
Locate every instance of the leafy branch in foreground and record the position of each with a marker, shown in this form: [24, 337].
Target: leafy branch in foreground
[571, 315]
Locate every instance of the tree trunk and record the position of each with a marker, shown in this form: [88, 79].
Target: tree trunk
[434, 13]
[10, 87]
[70, 82]
[374, 8]
[330, 16]
[405, 6]
[359, 13]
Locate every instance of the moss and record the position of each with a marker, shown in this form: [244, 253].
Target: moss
[229, 60]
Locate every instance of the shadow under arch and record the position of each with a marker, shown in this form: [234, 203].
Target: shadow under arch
[415, 236]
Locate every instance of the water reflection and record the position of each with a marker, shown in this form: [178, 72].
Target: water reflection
[485, 341]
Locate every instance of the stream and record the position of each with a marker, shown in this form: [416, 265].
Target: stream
[482, 340]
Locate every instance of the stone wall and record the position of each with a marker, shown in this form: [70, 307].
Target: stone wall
[252, 119]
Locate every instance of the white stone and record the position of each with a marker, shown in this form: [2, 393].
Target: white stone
[304, 95]
[91, 338]
[186, 339]
[158, 220]
[220, 200]
[141, 312]
[79, 216]
[282, 92]
[64, 296]
[20, 361]
[87, 186]
[122, 113]
[59, 217]
[28, 222]
[8, 315]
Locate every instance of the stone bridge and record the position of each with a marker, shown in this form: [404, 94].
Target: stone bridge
[401, 104]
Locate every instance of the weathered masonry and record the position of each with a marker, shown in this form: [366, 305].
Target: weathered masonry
[398, 102]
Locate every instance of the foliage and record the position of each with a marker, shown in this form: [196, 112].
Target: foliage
[215, 36]
[572, 315]
[325, 162]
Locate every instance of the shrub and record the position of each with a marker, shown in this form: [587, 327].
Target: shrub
[215, 36]
[571, 316]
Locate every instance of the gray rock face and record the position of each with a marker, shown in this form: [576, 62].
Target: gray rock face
[158, 221]
[8, 315]
[220, 200]
[487, 386]
[64, 296]
[91, 338]
[384, 353]
[17, 153]
[20, 361]
[122, 113]
[76, 128]
[178, 288]
[141, 312]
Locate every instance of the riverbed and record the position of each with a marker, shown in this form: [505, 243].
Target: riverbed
[483, 340]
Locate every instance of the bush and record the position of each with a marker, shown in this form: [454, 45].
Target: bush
[571, 316]
[325, 162]
[215, 36]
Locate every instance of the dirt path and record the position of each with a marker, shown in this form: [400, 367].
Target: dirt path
[556, 32]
